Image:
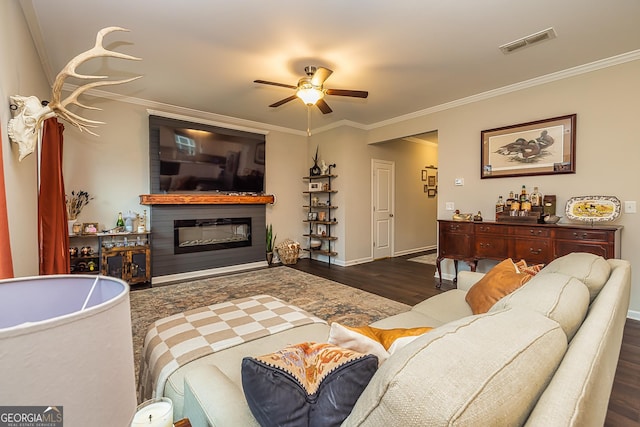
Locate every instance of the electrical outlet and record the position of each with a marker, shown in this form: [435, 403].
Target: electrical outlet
[450, 206]
[630, 207]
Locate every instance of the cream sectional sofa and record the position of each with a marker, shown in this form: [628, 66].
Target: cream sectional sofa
[544, 355]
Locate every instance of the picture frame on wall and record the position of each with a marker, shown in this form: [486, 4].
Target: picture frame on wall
[424, 175]
[431, 180]
[542, 147]
[431, 192]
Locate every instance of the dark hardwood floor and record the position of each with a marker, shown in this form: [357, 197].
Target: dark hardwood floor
[411, 282]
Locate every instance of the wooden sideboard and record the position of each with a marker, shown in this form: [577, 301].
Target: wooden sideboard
[535, 243]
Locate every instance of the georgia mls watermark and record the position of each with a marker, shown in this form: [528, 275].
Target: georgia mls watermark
[31, 416]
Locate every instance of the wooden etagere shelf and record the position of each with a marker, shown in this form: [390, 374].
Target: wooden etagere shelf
[320, 217]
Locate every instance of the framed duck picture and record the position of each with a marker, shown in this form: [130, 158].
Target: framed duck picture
[542, 147]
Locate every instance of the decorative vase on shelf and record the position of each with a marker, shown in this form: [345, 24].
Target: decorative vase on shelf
[70, 226]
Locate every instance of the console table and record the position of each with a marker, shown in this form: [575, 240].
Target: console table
[535, 243]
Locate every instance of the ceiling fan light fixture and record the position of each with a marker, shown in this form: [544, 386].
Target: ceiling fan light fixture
[309, 95]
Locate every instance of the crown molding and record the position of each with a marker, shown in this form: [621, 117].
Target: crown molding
[537, 81]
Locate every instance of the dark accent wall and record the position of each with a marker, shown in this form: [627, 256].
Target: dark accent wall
[165, 262]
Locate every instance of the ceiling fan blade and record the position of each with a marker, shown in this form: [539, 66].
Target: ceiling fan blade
[345, 92]
[264, 82]
[283, 101]
[320, 76]
[323, 106]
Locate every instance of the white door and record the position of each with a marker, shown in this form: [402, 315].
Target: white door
[383, 196]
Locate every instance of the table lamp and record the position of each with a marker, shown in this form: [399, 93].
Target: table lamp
[66, 349]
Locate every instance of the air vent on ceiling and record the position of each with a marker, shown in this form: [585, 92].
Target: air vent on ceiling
[529, 40]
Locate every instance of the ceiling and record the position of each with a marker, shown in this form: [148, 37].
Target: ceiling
[411, 55]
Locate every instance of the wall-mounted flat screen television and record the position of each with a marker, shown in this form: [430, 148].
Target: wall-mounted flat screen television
[193, 157]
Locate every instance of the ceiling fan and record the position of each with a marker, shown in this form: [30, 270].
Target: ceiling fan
[311, 91]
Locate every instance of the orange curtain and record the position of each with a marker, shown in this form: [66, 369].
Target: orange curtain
[6, 263]
[52, 212]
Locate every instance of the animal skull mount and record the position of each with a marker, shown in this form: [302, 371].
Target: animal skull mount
[30, 113]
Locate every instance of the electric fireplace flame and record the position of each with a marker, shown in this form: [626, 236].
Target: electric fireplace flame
[198, 235]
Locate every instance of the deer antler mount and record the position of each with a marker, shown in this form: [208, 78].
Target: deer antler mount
[23, 127]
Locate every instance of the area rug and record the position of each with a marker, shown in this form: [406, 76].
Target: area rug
[329, 300]
[425, 259]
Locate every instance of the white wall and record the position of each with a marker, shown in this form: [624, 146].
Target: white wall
[20, 74]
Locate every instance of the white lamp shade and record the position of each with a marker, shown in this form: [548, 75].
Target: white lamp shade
[55, 353]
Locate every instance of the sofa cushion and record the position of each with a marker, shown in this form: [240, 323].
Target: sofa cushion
[501, 280]
[307, 384]
[592, 270]
[369, 340]
[562, 298]
[481, 370]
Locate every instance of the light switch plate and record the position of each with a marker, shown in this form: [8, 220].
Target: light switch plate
[459, 181]
[449, 206]
[630, 207]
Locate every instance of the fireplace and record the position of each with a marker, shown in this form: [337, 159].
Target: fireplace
[211, 234]
[192, 240]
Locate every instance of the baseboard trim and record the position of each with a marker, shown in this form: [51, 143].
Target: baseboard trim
[170, 278]
[633, 314]
[415, 250]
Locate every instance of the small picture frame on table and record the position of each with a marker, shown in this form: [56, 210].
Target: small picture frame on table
[312, 216]
[321, 229]
[77, 228]
[90, 228]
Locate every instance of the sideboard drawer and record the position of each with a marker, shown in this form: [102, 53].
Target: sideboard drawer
[457, 227]
[532, 231]
[537, 251]
[490, 247]
[492, 229]
[582, 234]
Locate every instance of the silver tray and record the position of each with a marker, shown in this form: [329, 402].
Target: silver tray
[593, 208]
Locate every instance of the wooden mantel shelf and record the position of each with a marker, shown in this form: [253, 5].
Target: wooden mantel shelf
[205, 199]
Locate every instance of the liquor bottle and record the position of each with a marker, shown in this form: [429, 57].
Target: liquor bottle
[120, 221]
[525, 203]
[510, 200]
[536, 198]
[499, 206]
[523, 194]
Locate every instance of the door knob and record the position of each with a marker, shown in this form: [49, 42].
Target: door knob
[390, 215]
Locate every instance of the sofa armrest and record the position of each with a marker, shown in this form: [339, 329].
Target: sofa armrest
[466, 279]
[212, 399]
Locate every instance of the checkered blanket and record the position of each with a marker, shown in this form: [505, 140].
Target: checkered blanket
[184, 337]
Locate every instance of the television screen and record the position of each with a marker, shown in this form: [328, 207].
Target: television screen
[191, 157]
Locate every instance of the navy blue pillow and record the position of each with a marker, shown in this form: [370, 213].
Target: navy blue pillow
[306, 385]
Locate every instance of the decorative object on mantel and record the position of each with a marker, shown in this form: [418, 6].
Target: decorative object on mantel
[478, 217]
[593, 208]
[30, 112]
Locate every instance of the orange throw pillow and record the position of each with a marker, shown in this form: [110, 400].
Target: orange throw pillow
[501, 280]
